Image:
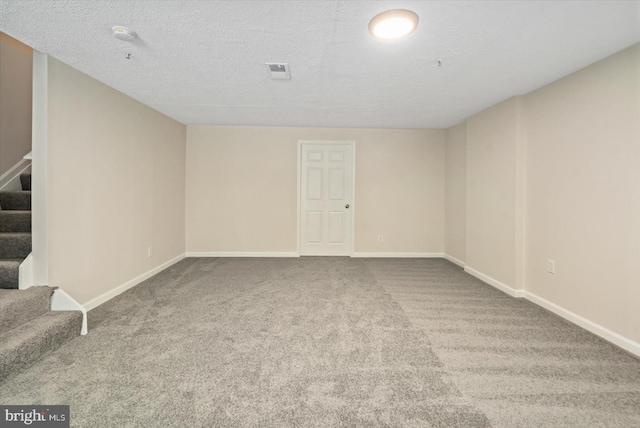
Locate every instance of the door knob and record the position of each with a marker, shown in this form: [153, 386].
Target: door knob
[347, 206]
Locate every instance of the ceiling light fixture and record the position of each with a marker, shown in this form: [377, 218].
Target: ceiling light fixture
[393, 24]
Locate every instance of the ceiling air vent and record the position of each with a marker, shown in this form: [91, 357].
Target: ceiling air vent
[279, 71]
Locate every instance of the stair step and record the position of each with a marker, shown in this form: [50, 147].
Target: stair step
[15, 245]
[28, 343]
[15, 221]
[9, 274]
[19, 200]
[20, 306]
[25, 180]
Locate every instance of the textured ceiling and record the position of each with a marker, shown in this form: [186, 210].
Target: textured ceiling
[202, 62]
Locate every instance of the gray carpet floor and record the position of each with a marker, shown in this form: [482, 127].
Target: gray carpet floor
[330, 342]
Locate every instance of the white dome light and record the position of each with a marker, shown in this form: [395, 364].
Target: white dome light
[393, 24]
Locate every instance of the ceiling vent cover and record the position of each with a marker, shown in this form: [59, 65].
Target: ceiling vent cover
[279, 71]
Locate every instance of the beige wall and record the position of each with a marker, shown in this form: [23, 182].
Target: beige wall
[555, 175]
[116, 171]
[15, 101]
[491, 191]
[455, 240]
[583, 192]
[242, 188]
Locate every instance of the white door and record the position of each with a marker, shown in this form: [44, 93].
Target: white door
[326, 198]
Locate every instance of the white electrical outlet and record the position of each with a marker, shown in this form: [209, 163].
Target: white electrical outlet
[380, 238]
[551, 266]
[149, 251]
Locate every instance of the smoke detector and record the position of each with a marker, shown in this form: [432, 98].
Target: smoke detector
[279, 71]
[123, 33]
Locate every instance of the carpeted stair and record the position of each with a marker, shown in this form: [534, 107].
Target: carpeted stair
[28, 327]
[15, 232]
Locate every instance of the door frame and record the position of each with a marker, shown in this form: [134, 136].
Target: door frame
[353, 190]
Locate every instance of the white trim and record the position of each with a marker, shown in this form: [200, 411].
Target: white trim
[352, 143]
[241, 254]
[592, 327]
[354, 204]
[97, 301]
[14, 174]
[597, 329]
[399, 255]
[61, 301]
[39, 130]
[25, 273]
[454, 260]
[497, 284]
[298, 200]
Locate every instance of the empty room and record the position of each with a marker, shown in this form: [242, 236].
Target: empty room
[319, 213]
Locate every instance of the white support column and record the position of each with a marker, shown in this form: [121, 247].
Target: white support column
[39, 168]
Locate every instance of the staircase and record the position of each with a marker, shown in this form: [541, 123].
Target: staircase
[28, 327]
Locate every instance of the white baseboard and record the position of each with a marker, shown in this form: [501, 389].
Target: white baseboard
[97, 301]
[603, 332]
[454, 260]
[497, 284]
[241, 254]
[399, 255]
[597, 329]
[294, 254]
[61, 301]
